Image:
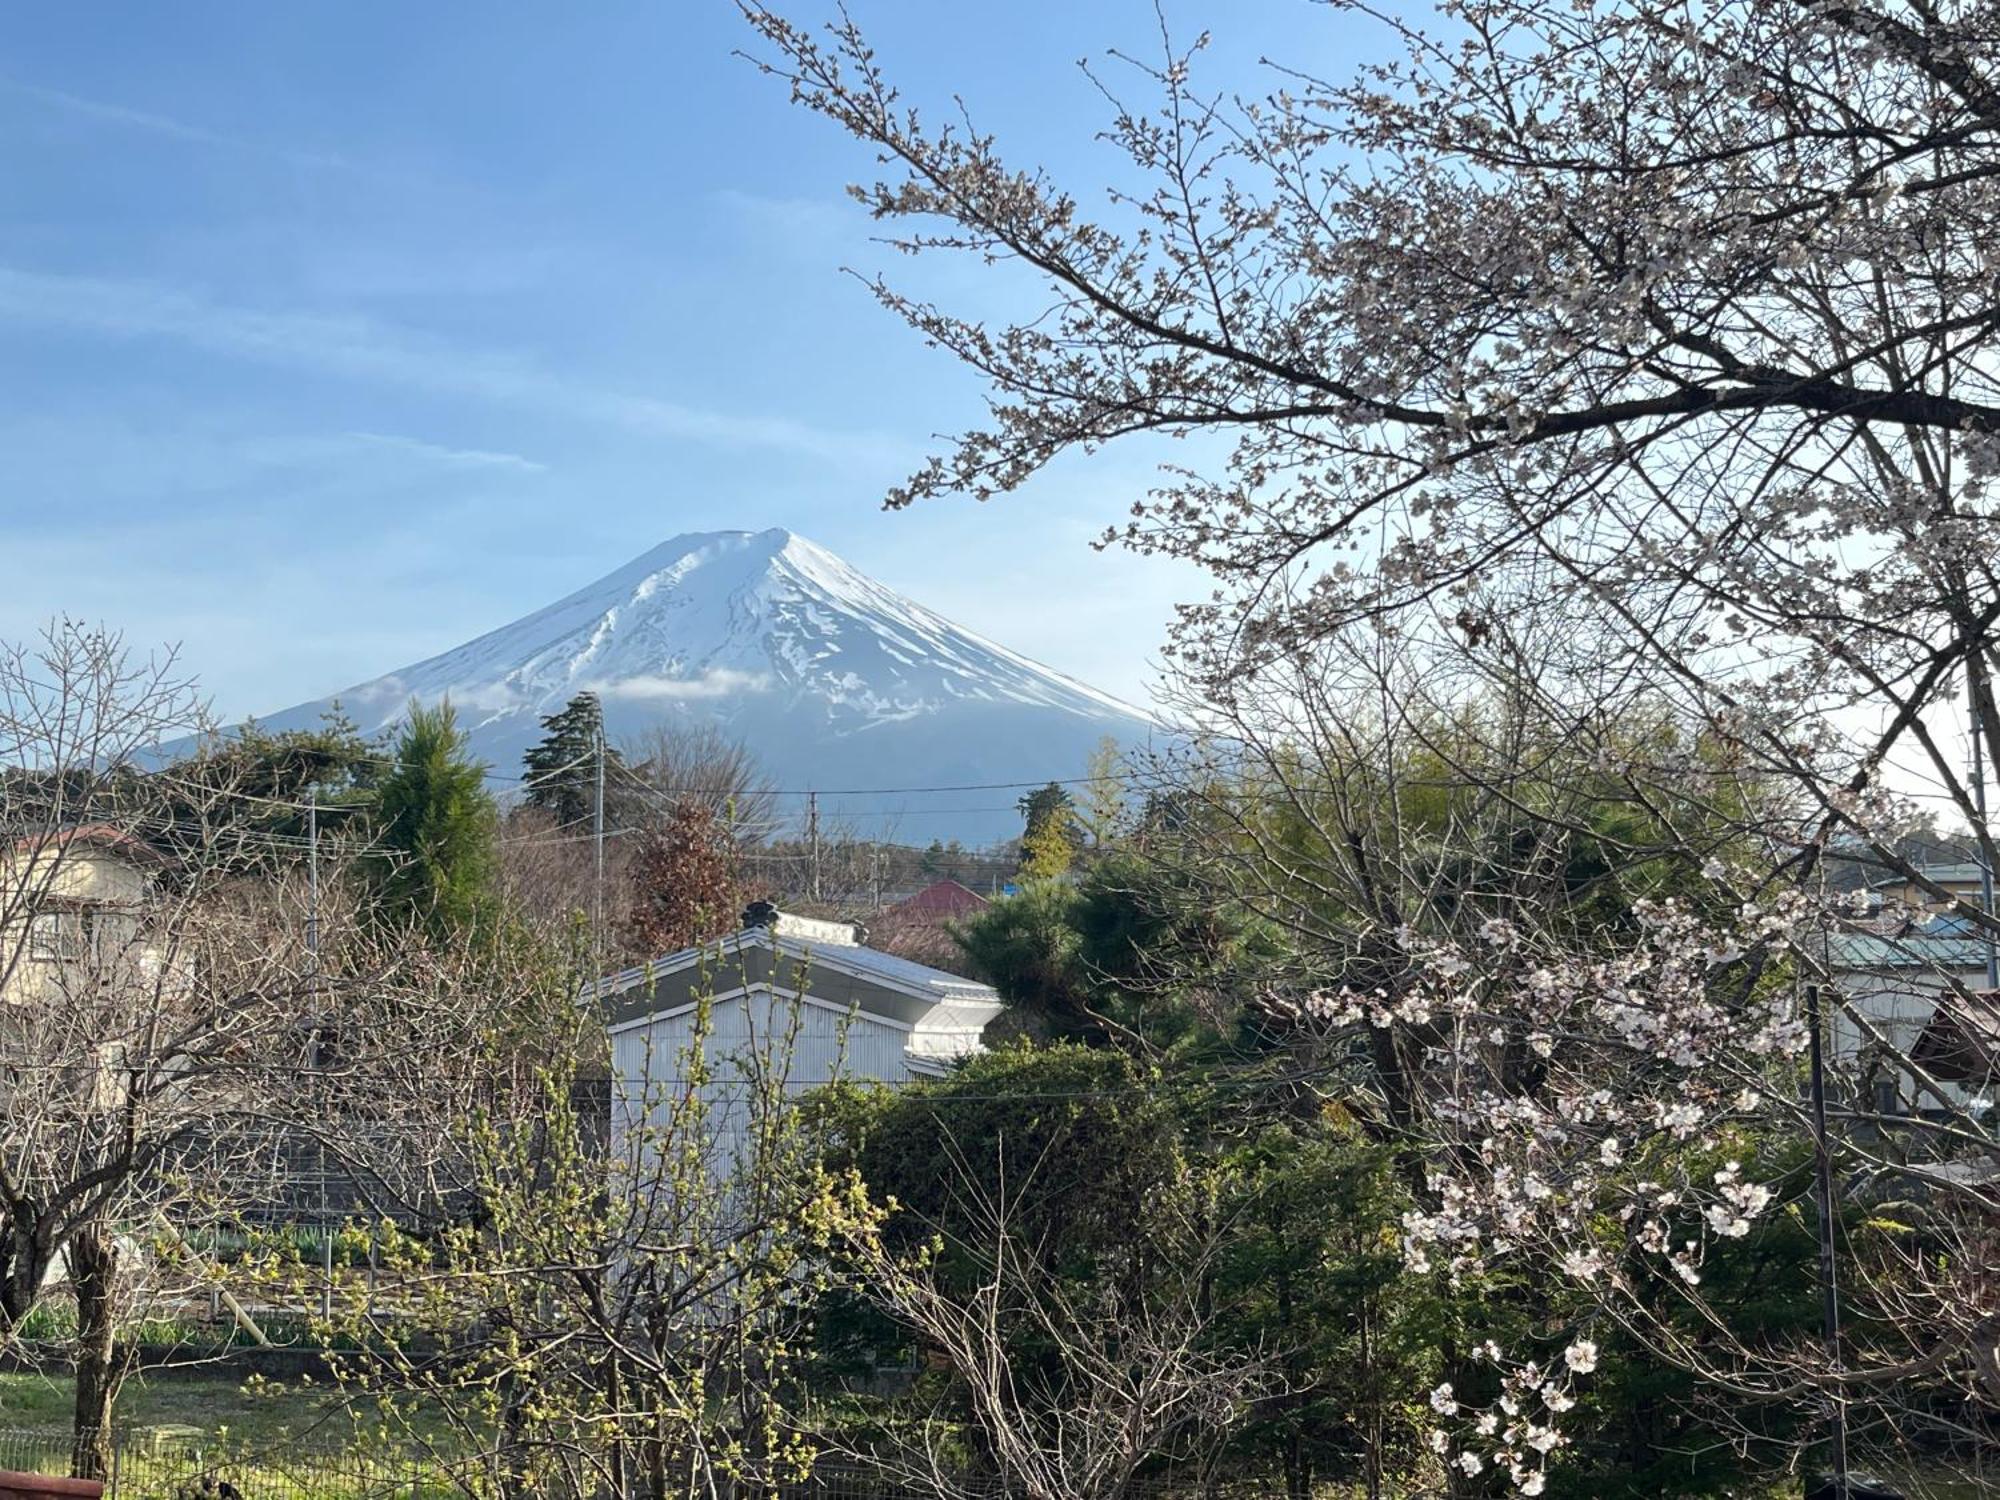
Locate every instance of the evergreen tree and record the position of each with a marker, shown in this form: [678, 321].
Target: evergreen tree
[435, 823]
[562, 767]
[1047, 852]
[1026, 948]
[249, 789]
[1051, 835]
[1045, 805]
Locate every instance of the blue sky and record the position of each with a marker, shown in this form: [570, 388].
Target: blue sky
[332, 334]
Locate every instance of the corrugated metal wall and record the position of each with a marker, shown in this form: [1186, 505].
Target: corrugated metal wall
[749, 1038]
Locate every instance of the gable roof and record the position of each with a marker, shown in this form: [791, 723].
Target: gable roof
[872, 981]
[1962, 873]
[101, 835]
[1946, 942]
[947, 898]
[1961, 1041]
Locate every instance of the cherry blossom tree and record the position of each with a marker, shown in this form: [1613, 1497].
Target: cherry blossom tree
[1625, 364]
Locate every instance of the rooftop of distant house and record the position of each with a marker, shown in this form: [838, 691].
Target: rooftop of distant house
[947, 898]
[1956, 874]
[100, 835]
[838, 947]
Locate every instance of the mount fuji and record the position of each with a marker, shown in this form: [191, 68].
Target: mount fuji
[833, 681]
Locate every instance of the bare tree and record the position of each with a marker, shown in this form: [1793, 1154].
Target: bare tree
[829, 867]
[670, 764]
[550, 875]
[1074, 1387]
[143, 1024]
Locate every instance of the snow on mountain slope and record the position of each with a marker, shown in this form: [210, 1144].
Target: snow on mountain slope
[836, 682]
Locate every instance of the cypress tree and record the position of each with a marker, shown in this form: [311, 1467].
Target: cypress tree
[1048, 807]
[435, 824]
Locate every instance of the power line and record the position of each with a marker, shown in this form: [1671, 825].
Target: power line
[296, 806]
[812, 826]
[312, 864]
[710, 790]
[639, 783]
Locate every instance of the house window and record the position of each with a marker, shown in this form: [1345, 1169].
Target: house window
[60, 936]
[1888, 1098]
[45, 936]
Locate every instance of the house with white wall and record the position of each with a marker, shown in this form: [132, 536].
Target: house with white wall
[1913, 986]
[785, 1005]
[73, 909]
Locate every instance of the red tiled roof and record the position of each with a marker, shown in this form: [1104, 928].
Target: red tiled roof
[945, 899]
[102, 834]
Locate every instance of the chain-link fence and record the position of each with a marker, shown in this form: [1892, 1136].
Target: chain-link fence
[836, 1480]
[150, 1467]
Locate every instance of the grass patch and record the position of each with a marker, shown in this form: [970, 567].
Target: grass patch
[270, 1442]
[218, 1412]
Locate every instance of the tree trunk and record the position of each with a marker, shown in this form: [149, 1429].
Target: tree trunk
[1298, 1469]
[100, 1363]
[656, 1444]
[511, 1459]
[614, 1402]
[23, 1264]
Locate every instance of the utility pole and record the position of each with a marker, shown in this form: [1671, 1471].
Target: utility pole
[597, 823]
[1975, 691]
[1829, 1285]
[812, 837]
[312, 969]
[312, 876]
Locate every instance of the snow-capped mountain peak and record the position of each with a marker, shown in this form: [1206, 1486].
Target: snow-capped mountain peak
[832, 679]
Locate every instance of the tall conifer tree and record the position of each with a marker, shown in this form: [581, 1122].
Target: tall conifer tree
[434, 859]
[562, 766]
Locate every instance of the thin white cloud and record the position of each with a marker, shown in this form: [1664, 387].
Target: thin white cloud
[796, 223]
[494, 699]
[717, 682]
[368, 350]
[179, 130]
[454, 458]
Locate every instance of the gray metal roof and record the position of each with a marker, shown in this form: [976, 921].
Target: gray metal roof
[1946, 944]
[1947, 875]
[914, 994]
[903, 971]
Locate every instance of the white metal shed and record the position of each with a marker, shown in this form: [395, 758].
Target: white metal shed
[787, 1004]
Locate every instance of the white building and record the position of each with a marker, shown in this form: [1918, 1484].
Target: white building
[786, 1005]
[73, 906]
[1913, 989]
